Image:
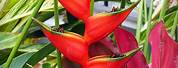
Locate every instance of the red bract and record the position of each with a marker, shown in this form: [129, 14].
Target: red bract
[103, 47]
[109, 62]
[99, 26]
[98, 49]
[107, 42]
[78, 8]
[72, 45]
[164, 49]
[126, 42]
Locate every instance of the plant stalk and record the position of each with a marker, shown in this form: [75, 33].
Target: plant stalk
[123, 2]
[145, 11]
[146, 47]
[164, 7]
[56, 13]
[23, 34]
[139, 22]
[173, 30]
[59, 60]
[56, 17]
[92, 7]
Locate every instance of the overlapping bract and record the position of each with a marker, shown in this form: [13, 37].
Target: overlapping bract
[126, 42]
[164, 49]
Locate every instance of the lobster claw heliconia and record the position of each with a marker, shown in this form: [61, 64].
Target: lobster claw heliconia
[99, 26]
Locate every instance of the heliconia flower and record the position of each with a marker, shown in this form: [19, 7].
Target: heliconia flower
[78, 8]
[126, 42]
[71, 45]
[164, 48]
[100, 25]
[111, 62]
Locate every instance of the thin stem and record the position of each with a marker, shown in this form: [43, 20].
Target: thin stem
[56, 13]
[165, 6]
[123, 2]
[59, 60]
[173, 30]
[23, 34]
[146, 48]
[145, 11]
[139, 22]
[151, 10]
[92, 7]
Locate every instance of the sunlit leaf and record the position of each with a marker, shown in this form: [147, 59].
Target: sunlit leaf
[7, 40]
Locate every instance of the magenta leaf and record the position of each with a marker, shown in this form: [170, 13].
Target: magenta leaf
[126, 42]
[164, 49]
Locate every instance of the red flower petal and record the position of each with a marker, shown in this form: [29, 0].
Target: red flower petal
[78, 8]
[126, 42]
[108, 62]
[70, 44]
[164, 49]
[99, 26]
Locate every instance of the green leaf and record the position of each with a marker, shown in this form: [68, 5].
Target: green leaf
[7, 40]
[35, 58]
[19, 61]
[30, 59]
[6, 5]
[46, 65]
[23, 9]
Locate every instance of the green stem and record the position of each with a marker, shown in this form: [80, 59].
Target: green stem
[92, 7]
[145, 11]
[173, 30]
[165, 6]
[23, 34]
[123, 2]
[139, 22]
[56, 13]
[151, 10]
[146, 47]
[59, 60]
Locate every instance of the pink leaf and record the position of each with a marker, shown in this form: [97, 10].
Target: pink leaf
[126, 42]
[164, 49]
